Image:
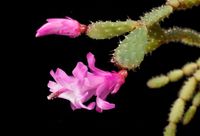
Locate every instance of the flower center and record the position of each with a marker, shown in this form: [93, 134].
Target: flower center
[123, 73]
[55, 94]
[83, 28]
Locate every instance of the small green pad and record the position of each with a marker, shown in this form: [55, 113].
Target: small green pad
[108, 29]
[156, 15]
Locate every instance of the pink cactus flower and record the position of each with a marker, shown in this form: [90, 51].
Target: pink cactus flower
[61, 26]
[84, 84]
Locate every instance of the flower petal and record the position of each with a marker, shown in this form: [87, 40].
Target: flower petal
[104, 105]
[61, 26]
[80, 71]
[63, 76]
[57, 93]
[79, 102]
[72, 106]
[89, 107]
[51, 84]
[116, 88]
[103, 90]
[91, 64]
[54, 86]
[56, 77]
[99, 109]
[69, 18]
[48, 29]
[68, 94]
[50, 20]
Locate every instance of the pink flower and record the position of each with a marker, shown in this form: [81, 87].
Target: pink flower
[61, 26]
[83, 85]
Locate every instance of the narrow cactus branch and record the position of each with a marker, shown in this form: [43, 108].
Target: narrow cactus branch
[188, 69]
[108, 29]
[159, 36]
[170, 129]
[189, 115]
[192, 109]
[195, 102]
[177, 110]
[162, 80]
[186, 93]
[183, 35]
[175, 116]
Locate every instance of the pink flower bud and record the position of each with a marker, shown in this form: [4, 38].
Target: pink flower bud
[61, 26]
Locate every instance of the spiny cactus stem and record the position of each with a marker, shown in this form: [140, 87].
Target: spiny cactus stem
[184, 35]
[182, 4]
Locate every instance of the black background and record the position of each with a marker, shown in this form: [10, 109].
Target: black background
[139, 110]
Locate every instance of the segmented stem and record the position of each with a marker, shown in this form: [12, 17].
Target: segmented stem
[183, 4]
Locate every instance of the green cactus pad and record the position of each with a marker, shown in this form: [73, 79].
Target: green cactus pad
[156, 15]
[108, 29]
[155, 37]
[130, 52]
